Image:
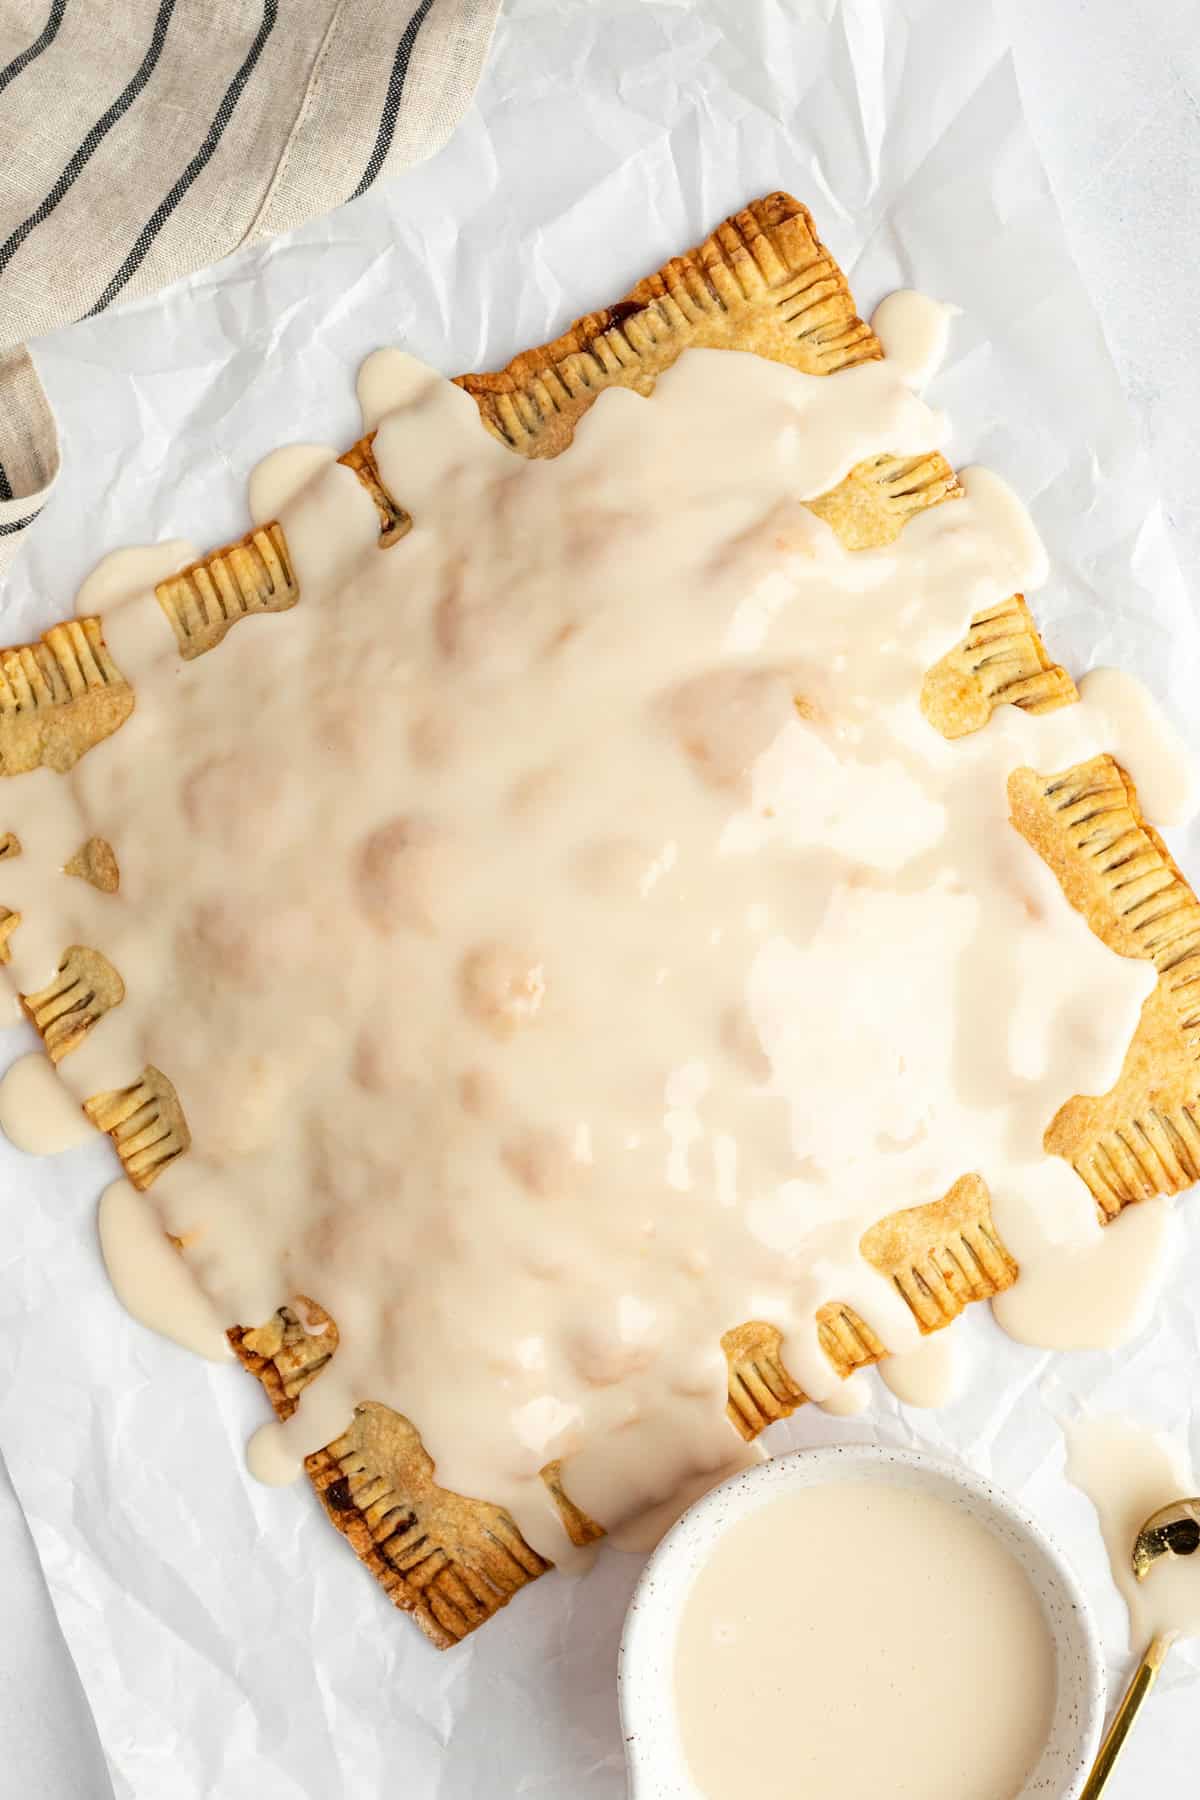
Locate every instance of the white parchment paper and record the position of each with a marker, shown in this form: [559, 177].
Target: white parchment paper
[227, 1641]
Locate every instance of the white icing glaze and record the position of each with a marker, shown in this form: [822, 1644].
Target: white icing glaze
[567, 936]
[387, 379]
[150, 1277]
[1115, 1276]
[914, 331]
[37, 1114]
[1164, 769]
[849, 1398]
[271, 1458]
[930, 1375]
[281, 478]
[123, 575]
[643, 1531]
[853, 1610]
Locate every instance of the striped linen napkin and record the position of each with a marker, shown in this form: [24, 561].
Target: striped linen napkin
[143, 139]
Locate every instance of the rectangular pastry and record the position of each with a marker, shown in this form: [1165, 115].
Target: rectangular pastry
[222, 1040]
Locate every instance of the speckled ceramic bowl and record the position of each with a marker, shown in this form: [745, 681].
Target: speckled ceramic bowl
[657, 1770]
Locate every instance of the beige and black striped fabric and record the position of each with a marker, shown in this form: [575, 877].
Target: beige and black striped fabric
[142, 139]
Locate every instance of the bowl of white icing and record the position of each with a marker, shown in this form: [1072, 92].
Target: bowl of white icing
[855, 1621]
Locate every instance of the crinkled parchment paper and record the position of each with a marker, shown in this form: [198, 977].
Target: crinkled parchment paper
[230, 1645]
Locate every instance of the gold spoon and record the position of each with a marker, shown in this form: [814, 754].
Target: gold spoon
[1172, 1531]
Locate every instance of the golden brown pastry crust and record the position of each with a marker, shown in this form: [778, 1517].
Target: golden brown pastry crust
[58, 697]
[450, 1562]
[1002, 660]
[84, 987]
[940, 1256]
[95, 862]
[146, 1124]
[203, 601]
[394, 521]
[762, 282]
[1143, 1137]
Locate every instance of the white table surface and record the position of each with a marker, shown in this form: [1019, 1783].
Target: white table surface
[1113, 97]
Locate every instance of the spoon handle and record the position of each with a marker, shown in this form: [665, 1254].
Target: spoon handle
[1144, 1677]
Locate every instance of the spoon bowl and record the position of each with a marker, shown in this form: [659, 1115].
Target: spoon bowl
[1173, 1530]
